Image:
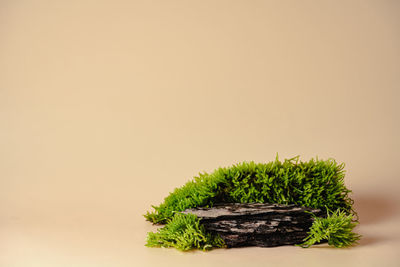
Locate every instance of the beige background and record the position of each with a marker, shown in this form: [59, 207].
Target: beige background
[106, 106]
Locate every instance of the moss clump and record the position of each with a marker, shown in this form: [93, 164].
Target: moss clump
[336, 228]
[184, 232]
[315, 184]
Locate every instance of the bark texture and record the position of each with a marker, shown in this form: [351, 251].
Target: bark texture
[257, 224]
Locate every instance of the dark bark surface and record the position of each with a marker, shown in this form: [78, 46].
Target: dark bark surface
[257, 224]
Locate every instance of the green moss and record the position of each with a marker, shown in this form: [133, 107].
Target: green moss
[315, 184]
[336, 228]
[184, 232]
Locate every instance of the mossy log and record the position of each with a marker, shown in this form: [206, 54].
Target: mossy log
[257, 224]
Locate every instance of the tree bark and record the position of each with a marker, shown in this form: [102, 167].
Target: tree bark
[257, 224]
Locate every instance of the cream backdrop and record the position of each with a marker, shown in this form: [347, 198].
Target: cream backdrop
[107, 106]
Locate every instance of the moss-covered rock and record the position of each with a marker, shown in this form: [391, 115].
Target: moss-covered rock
[313, 184]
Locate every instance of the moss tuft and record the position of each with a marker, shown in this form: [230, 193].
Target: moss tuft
[184, 232]
[336, 228]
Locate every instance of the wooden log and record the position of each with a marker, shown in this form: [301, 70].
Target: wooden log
[257, 224]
